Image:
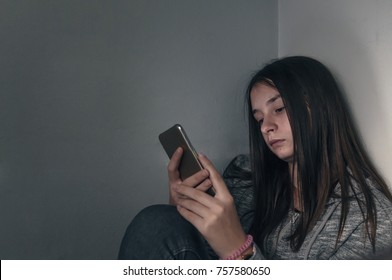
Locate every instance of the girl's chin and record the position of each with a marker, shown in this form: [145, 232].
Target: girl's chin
[287, 158]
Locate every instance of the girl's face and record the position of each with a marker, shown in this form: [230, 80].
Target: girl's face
[269, 111]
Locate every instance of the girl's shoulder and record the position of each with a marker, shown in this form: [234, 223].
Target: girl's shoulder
[238, 179]
[238, 172]
[382, 202]
[357, 198]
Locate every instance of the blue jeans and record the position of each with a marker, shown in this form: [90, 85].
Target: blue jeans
[159, 232]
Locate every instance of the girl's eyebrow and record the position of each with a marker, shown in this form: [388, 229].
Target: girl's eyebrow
[269, 101]
[273, 99]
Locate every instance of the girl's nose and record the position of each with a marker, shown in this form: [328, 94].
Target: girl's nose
[268, 126]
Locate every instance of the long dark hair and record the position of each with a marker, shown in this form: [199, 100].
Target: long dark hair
[327, 151]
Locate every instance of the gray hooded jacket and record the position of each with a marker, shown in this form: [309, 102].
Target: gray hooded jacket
[320, 243]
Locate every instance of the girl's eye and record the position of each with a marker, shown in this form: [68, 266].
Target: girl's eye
[260, 122]
[279, 110]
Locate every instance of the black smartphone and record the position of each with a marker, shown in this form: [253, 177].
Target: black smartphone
[176, 137]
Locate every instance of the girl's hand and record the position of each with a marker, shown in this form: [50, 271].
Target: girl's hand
[215, 217]
[175, 180]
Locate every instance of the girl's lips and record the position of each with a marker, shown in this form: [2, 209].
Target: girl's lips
[275, 142]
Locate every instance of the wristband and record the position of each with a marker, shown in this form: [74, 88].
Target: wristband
[248, 242]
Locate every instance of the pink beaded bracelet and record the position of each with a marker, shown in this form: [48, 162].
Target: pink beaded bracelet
[242, 249]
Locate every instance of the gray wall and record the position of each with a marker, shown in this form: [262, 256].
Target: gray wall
[86, 87]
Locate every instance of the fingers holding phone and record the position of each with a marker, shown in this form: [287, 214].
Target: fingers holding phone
[215, 177]
[199, 180]
[189, 176]
[172, 167]
[215, 217]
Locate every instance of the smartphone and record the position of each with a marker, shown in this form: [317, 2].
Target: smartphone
[176, 137]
